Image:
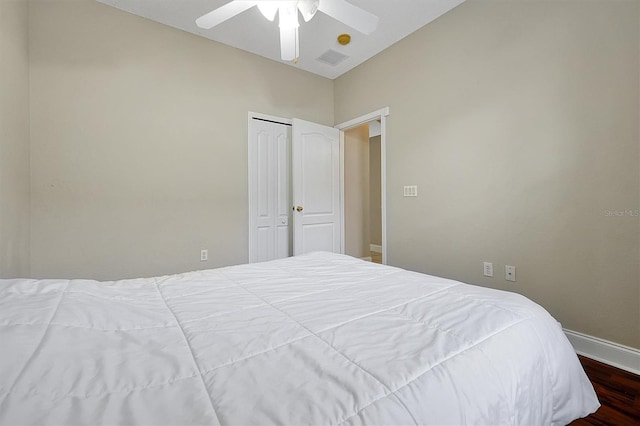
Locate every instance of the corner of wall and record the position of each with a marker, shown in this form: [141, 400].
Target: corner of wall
[638, 112]
[15, 140]
[28, 254]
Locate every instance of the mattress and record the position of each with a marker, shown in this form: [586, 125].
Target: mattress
[318, 339]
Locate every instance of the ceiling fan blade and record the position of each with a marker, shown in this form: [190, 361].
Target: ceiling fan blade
[353, 16]
[289, 46]
[221, 14]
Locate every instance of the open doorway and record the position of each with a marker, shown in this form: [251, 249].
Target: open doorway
[362, 192]
[364, 187]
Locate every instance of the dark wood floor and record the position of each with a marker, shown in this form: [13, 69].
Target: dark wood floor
[618, 392]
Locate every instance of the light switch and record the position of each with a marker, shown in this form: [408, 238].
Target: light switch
[411, 191]
[488, 269]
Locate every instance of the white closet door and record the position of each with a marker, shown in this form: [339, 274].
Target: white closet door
[316, 188]
[270, 193]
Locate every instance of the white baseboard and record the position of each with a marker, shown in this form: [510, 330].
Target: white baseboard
[375, 248]
[601, 350]
[368, 259]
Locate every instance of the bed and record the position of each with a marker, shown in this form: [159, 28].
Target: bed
[318, 339]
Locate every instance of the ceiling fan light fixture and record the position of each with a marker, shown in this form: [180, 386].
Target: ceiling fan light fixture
[308, 8]
[268, 9]
[288, 15]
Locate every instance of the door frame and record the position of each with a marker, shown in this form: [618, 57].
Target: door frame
[381, 115]
[252, 171]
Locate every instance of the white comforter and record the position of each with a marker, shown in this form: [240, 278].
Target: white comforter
[317, 339]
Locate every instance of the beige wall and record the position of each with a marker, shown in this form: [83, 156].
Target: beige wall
[139, 141]
[519, 123]
[14, 139]
[375, 191]
[356, 191]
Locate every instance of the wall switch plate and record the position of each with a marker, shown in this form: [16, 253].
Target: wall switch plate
[488, 269]
[510, 273]
[411, 191]
[204, 255]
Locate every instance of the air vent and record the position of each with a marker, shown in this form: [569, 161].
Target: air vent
[332, 57]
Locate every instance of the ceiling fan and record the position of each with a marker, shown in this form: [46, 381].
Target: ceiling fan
[287, 10]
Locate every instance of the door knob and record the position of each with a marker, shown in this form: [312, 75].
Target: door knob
[299, 209]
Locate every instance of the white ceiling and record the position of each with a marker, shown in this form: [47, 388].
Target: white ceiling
[250, 31]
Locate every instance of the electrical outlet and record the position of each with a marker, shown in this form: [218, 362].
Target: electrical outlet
[510, 273]
[204, 255]
[488, 269]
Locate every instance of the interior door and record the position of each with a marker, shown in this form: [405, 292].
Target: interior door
[316, 188]
[269, 190]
